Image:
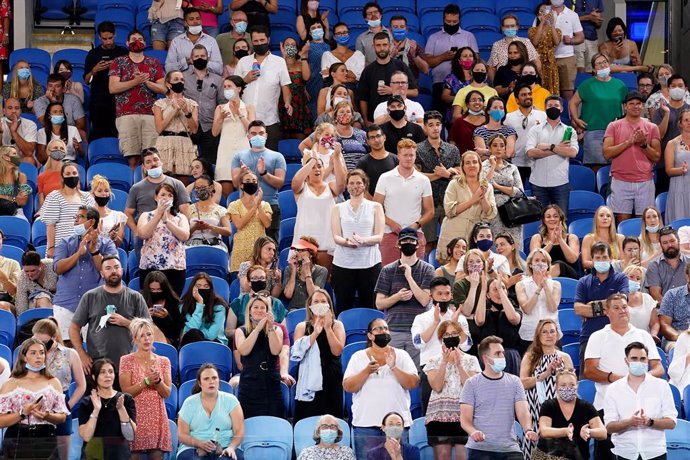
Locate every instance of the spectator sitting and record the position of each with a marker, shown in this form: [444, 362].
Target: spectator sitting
[649, 236]
[467, 121]
[71, 104]
[507, 247]
[481, 238]
[263, 254]
[74, 88]
[678, 368]
[78, 263]
[203, 312]
[59, 128]
[9, 274]
[414, 112]
[318, 345]
[36, 283]
[181, 46]
[496, 115]
[107, 310]
[106, 415]
[164, 232]
[459, 77]
[14, 191]
[50, 179]
[339, 93]
[394, 446]
[654, 101]
[479, 84]
[228, 40]
[603, 231]
[353, 59]
[455, 249]
[501, 52]
[303, 275]
[112, 223]
[339, 76]
[23, 86]
[259, 343]
[674, 314]
[622, 51]
[241, 48]
[380, 378]
[553, 237]
[327, 435]
[164, 307]
[641, 306]
[645, 85]
[18, 131]
[630, 256]
[209, 221]
[146, 377]
[669, 271]
[218, 435]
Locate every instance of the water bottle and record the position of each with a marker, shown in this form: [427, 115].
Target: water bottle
[256, 66]
[568, 134]
[214, 440]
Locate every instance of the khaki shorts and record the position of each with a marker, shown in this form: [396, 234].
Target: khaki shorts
[567, 71]
[135, 132]
[584, 53]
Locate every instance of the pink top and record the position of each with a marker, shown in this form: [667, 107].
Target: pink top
[207, 19]
[53, 402]
[632, 165]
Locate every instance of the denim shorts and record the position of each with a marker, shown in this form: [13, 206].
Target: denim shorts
[594, 148]
[166, 31]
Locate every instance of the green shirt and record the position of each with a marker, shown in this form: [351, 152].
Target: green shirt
[226, 43]
[602, 102]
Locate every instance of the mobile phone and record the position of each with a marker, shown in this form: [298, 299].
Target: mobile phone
[116, 227]
[619, 39]
[157, 307]
[39, 399]
[453, 48]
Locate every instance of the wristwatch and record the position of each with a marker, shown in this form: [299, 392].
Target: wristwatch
[95, 253]
[263, 173]
[553, 146]
[644, 146]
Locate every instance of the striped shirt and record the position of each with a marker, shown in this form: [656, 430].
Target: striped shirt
[58, 211]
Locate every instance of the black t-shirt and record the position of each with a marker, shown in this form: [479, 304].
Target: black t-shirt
[409, 131]
[374, 168]
[99, 83]
[563, 447]
[367, 90]
[108, 423]
[257, 14]
[504, 76]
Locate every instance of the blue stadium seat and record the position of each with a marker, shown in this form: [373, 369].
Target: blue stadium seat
[430, 21]
[424, 7]
[603, 179]
[293, 318]
[586, 390]
[676, 224]
[678, 441]
[12, 252]
[582, 178]
[75, 56]
[581, 227]
[209, 259]
[419, 439]
[75, 441]
[473, 6]
[143, 5]
[119, 175]
[568, 288]
[118, 200]
[17, 231]
[480, 21]
[170, 352]
[174, 437]
[419, 38]
[288, 206]
[38, 233]
[288, 148]
[573, 350]
[8, 328]
[161, 55]
[277, 37]
[52, 9]
[283, 258]
[234, 289]
[630, 227]
[486, 38]
[431, 258]
[193, 355]
[425, 82]
[304, 432]
[525, 20]
[345, 6]
[290, 172]
[185, 390]
[677, 400]
[664, 361]
[116, 5]
[345, 356]
[143, 25]
[171, 403]
[106, 149]
[134, 284]
[6, 353]
[32, 314]
[660, 202]
[424, 100]
[31, 175]
[583, 204]
[397, 7]
[38, 59]
[570, 325]
[355, 322]
[267, 438]
[133, 265]
[220, 285]
[285, 233]
[504, 7]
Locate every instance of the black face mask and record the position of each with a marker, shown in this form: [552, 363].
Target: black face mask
[397, 115]
[479, 77]
[497, 306]
[177, 88]
[451, 342]
[261, 49]
[250, 188]
[408, 248]
[101, 200]
[553, 113]
[381, 340]
[71, 182]
[156, 296]
[528, 79]
[443, 306]
[239, 54]
[205, 294]
[514, 62]
[451, 30]
[200, 63]
[257, 286]
[49, 344]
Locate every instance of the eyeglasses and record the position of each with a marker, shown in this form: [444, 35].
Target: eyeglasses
[477, 100]
[262, 294]
[257, 279]
[399, 83]
[645, 85]
[80, 217]
[331, 427]
[342, 34]
[375, 136]
[666, 230]
[448, 336]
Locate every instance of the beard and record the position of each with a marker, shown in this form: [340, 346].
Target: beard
[671, 253]
[113, 281]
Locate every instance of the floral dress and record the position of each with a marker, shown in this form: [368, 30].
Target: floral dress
[507, 176]
[176, 152]
[212, 217]
[678, 201]
[444, 407]
[153, 431]
[535, 399]
[163, 251]
[453, 84]
[5, 12]
[329, 453]
[243, 241]
[301, 120]
[547, 55]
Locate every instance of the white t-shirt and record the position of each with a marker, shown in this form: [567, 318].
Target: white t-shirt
[421, 323]
[569, 24]
[27, 130]
[501, 264]
[403, 196]
[109, 221]
[72, 133]
[355, 63]
[413, 110]
[515, 120]
[381, 392]
[7, 370]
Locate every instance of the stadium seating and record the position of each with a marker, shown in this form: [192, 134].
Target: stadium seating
[285, 233]
[8, 328]
[586, 390]
[119, 175]
[304, 433]
[630, 227]
[185, 390]
[573, 350]
[288, 206]
[209, 259]
[17, 231]
[581, 227]
[12, 252]
[570, 325]
[583, 204]
[106, 149]
[33, 314]
[355, 322]
[293, 318]
[582, 178]
[193, 355]
[418, 438]
[270, 439]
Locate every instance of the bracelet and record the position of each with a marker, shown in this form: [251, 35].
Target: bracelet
[147, 381]
[93, 416]
[263, 173]
[608, 377]
[125, 422]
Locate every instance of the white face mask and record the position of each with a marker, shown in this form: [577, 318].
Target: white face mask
[677, 94]
[320, 309]
[195, 30]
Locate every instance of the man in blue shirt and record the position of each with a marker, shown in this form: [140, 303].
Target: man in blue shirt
[269, 167]
[77, 263]
[593, 290]
[674, 314]
[589, 12]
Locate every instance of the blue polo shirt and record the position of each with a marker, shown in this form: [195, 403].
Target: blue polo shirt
[583, 8]
[273, 161]
[590, 288]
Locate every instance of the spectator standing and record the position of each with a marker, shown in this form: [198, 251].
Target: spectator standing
[135, 80]
[525, 117]
[112, 223]
[339, 75]
[439, 51]
[507, 75]
[202, 311]
[257, 12]
[638, 408]
[146, 377]
[572, 34]
[303, 275]
[209, 15]
[529, 75]
[414, 112]
[622, 52]
[199, 168]
[72, 106]
[674, 314]
[164, 307]
[267, 78]
[490, 403]
[546, 37]
[96, 69]
[209, 222]
[264, 253]
[563, 247]
[14, 130]
[315, 47]
[455, 249]
[551, 145]
[23, 87]
[668, 115]
[377, 161]
[406, 197]
[478, 83]
[467, 121]
[407, 49]
[500, 50]
[180, 53]
[590, 15]
[309, 14]
[354, 60]
[108, 311]
[676, 158]
[299, 123]
[372, 13]
[398, 127]
[166, 21]
[226, 41]
[36, 283]
[206, 88]
[632, 144]
[667, 272]
[645, 84]
[495, 114]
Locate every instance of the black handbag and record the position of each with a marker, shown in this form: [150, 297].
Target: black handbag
[520, 209]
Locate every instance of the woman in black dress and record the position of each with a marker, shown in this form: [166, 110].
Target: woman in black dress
[259, 343]
[320, 328]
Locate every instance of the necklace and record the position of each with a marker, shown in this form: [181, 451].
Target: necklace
[106, 404]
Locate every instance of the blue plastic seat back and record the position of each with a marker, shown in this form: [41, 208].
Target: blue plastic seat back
[304, 431]
[193, 355]
[293, 318]
[267, 438]
[209, 259]
[17, 231]
[630, 227]
[355, 322]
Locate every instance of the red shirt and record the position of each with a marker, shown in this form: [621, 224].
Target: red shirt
[462, 134]
[138, 100]
[632, 165]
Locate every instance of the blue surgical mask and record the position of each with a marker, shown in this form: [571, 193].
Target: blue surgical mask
[652, 228]
[399, 34]
[342, 39]
[374, 23]
[602, 266]
[317, 34]
[155, 172]
[241, 27]
[79, 230]
[633, 286]
[229, 94]
[510, 33]
[57, 119]
[638, 369]
[328, 436]
[604, 73]
[484, 245]
[257, 142]
[498, 365]
[24, 74]
[497, 114]
[35, 369]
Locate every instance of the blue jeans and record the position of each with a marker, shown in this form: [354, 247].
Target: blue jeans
[474, 454]
[166, 31]
[365, 438]
[212, 31]
[559, 195]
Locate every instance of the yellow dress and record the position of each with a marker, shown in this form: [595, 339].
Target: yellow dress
[243, 241]
[547, 55]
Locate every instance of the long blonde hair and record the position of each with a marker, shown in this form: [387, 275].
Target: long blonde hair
[14, 86]
[645, 242]
[50, 161]
[4, 167]
[462, 179]
[261, 296]
[613, 236]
